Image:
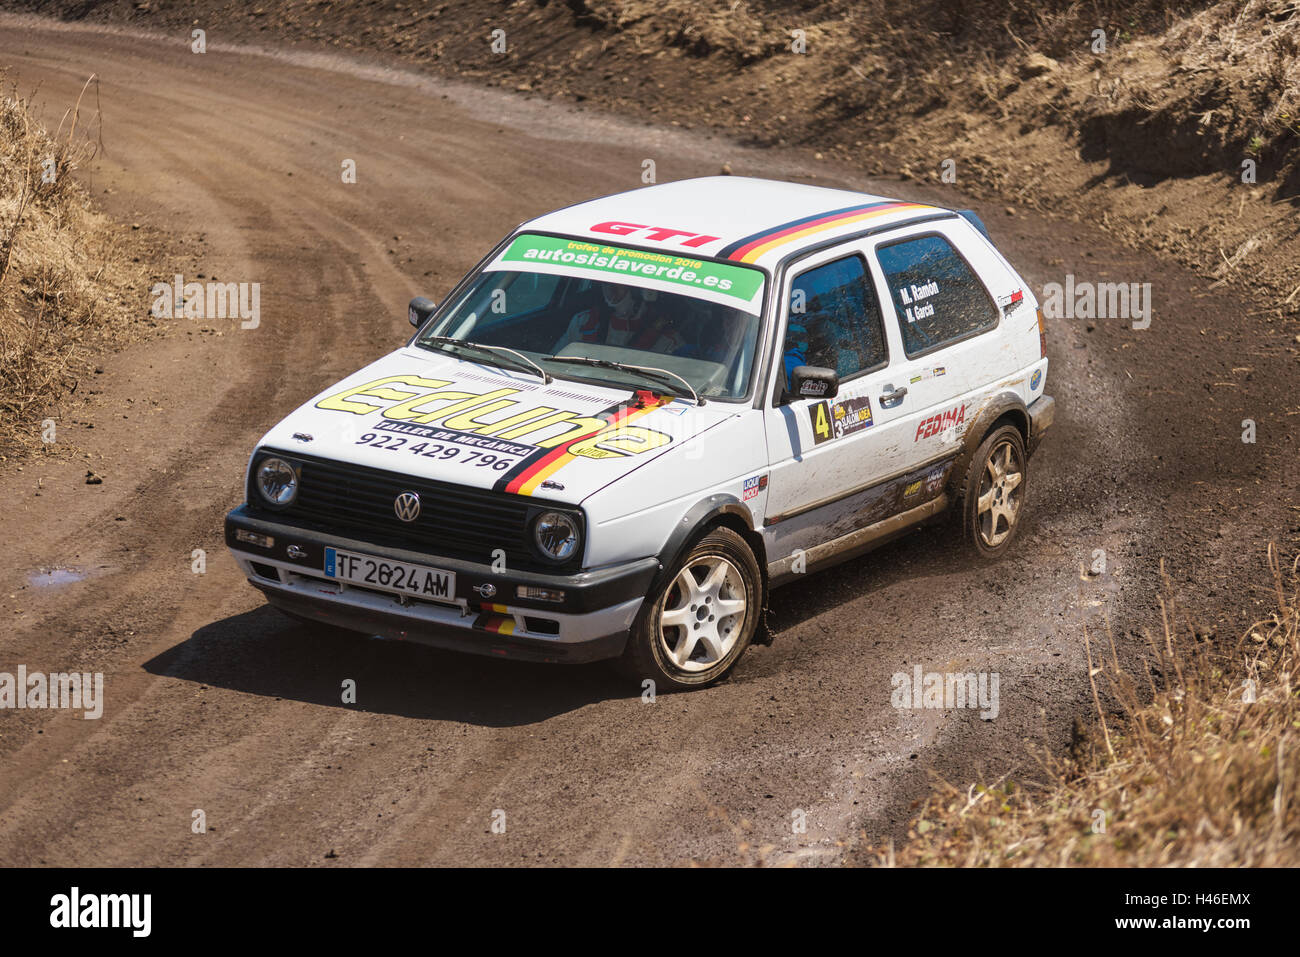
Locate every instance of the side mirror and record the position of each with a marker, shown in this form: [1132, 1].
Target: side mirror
[420, 310]
[813, 382]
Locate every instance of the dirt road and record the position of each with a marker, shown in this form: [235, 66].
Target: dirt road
[214, 702]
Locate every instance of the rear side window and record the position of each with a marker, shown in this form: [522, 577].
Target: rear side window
[937, 296]
[834, 320]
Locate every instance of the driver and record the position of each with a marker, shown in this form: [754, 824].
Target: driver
[623, 316]
[720, 334]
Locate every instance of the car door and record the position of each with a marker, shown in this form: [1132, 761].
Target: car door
[946, 318]
[826, 455]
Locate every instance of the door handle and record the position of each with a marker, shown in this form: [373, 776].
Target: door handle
[891, 396]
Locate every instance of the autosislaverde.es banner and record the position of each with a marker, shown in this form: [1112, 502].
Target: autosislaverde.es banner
[736, 282]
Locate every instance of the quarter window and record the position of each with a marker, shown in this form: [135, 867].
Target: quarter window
[937, 296]
[834, 320]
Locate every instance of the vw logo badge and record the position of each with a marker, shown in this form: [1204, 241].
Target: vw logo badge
[407, 506]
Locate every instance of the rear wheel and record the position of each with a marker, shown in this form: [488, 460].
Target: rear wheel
[993, 494]
[698, 624]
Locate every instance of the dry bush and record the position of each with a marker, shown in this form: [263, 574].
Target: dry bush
[65, 276]
[1255, 44]
[1195, 764]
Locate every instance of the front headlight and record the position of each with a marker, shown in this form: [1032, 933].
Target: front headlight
[557, 535]
[277, 481]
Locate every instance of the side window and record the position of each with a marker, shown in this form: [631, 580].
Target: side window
[834, 320]
[937, 296]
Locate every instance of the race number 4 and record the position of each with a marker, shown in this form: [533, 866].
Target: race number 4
[820, 412]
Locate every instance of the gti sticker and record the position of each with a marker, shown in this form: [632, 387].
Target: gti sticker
[658, 234]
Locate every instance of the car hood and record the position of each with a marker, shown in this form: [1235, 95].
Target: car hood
[439, 417]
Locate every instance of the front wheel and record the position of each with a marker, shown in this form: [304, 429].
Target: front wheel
[697, 625]
[994, 492]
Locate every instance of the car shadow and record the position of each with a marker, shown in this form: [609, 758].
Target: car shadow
[917, 553]
[264, 652]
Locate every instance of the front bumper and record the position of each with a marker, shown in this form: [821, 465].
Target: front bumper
[590, 623]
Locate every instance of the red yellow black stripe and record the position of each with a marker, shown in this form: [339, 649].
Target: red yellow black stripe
[525, 477]
[497, 624]
[753, 246]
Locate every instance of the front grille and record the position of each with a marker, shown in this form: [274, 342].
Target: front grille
[454, 520]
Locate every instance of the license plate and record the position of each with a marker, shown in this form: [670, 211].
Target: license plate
[418, 581]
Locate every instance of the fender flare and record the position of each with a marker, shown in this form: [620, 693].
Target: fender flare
[702, 513]
[994, 408]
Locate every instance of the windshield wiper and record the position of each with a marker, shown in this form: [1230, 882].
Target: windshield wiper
[523, 362]
[650, 372]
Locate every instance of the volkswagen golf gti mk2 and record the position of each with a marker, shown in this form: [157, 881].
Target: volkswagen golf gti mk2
[639, 414]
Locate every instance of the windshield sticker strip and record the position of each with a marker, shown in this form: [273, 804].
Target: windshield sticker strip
[735, 282]
[752, 247]
[526, 476]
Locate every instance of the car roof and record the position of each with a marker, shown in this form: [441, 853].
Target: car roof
[740, 218]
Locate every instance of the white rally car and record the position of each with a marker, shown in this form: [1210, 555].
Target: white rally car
[639, 414]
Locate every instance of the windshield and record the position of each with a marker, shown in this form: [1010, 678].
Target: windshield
[555, 299]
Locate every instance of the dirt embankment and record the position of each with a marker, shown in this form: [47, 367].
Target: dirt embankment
[70, 284]
[1176, 126]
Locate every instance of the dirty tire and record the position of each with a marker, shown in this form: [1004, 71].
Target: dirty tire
[993, 493]
[695, 627]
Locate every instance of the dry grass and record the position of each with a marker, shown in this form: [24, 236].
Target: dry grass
[1194, 762]
[67, 285]
[1219, 85]
[1258, 41]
